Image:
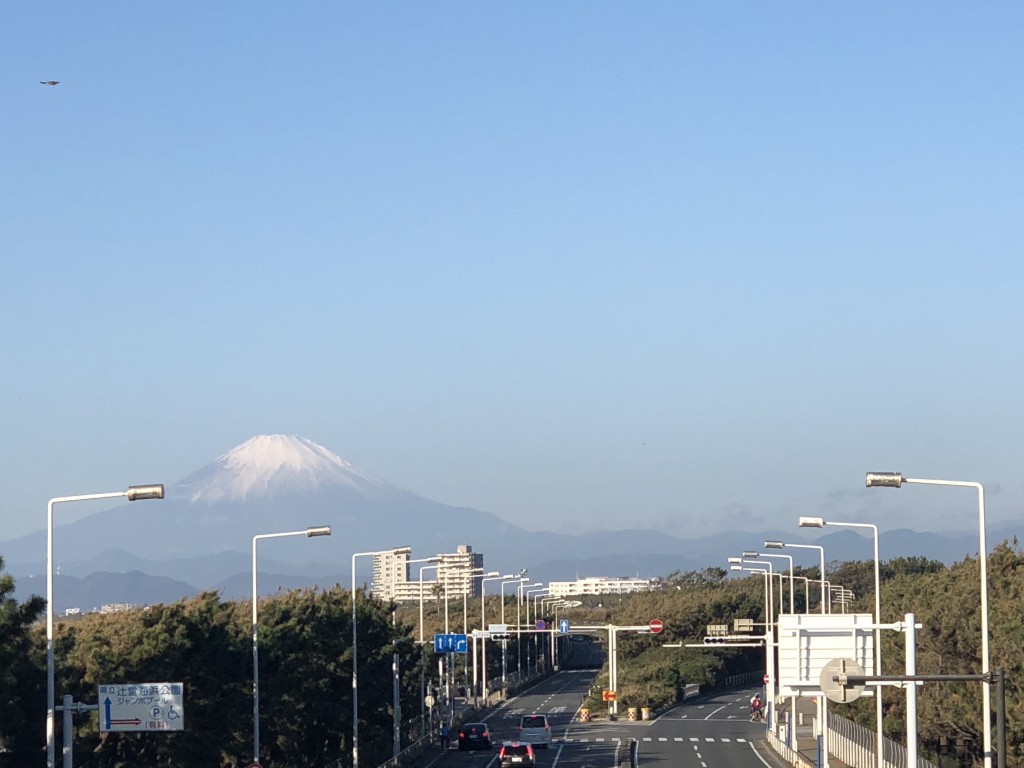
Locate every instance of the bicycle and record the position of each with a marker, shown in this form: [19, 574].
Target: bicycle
[757, 716]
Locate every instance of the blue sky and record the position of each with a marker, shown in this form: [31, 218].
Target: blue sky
[685, 265]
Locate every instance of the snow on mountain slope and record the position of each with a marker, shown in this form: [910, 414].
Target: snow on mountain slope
[267, 465]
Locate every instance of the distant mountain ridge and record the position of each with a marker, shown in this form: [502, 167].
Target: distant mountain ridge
[200, 536]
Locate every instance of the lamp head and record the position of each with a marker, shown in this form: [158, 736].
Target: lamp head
[773, 545]
[735, 560]
[751, 554]
[320, 530]
[401, 551]
[142, 492]
[883, 479]
[812, 522]
[735, 567]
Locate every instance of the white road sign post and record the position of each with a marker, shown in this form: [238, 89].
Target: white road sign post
[142, 707]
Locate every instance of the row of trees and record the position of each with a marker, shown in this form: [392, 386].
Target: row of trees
[305, 682]
[305, 661]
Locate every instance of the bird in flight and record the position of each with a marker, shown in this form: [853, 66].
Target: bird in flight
[48, 82]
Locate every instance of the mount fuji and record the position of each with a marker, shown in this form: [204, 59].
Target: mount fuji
[201, 533]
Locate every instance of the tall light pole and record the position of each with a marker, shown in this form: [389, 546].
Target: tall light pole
[821, 554]
[483, 627]
[519, 626]
[536, 641]
[355, 654]
[790, 558]
[134, 493]
[504, 642]
[896, 480]
[737, 564]
[322, 530]
[818, 522]
[424, 568]
[396, 705]
[423, 690]
[748, 558]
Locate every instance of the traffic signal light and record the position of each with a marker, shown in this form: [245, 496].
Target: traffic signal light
[733, 640]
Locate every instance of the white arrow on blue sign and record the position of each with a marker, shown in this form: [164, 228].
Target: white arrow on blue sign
[563, 626]
[449, 643]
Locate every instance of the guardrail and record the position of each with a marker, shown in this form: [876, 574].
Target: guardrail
[855, 745]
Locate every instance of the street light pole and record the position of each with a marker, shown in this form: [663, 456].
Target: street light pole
[817, 522]
[519, 626]
[483, 628]
[792, 609]
[396, 705]
[423, 689]
[504, 642]
[323, 530]
[134, 493]
[821, 554]
[355, 655]
[896, 480]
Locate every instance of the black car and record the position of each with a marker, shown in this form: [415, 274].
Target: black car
[474, 736]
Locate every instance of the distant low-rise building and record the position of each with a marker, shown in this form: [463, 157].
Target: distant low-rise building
[115, 607]
[599, 585]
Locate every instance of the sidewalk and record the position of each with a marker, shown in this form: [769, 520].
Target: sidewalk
[806, 741]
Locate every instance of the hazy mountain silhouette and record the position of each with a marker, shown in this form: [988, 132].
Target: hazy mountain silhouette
[200, 536]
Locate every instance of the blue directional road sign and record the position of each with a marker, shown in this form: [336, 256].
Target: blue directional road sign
[563, 626]
[448, 643]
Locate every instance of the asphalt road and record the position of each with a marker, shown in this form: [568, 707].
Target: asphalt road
[707, 732]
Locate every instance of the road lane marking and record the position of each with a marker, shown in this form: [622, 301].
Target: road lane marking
[716, 711]
[754, 750]
[558, 754]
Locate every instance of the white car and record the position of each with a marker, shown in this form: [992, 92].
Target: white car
[535, 730]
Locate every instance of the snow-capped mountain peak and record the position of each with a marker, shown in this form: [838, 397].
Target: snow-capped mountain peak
[267, 464]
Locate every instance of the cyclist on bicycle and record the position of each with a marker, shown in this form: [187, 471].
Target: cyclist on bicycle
[756, 707]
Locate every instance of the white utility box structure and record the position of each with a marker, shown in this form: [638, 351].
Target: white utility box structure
[807, 642]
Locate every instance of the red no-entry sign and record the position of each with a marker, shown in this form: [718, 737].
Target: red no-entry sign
[656, 625]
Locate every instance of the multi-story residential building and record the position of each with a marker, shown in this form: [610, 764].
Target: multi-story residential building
[598, 585]
[458, 573]
[389, 570]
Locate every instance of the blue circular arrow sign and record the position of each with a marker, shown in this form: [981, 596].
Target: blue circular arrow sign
[541, 624]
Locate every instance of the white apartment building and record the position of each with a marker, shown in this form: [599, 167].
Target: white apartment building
[457, 573]
[598, 585]
[389, 570]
